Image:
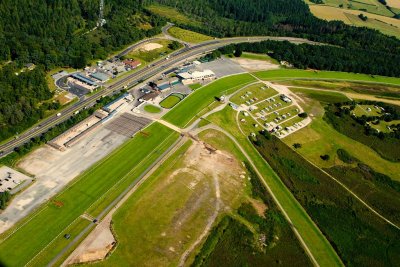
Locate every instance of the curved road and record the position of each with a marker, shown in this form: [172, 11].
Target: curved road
[131, 80]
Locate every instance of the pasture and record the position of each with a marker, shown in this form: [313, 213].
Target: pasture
[188, 36]
[200, 99]
[32, 236]
[296, 74]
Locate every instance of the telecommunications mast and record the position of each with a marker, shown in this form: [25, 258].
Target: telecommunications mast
[101, 21]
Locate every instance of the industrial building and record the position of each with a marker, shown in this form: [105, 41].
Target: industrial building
[100, 76]
[196, 76]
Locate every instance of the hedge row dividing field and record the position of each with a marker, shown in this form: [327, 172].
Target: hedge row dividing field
[124, 165]
[282, 74]
[197, 101]
[360, 237]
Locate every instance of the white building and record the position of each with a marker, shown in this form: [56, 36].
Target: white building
[196, 76]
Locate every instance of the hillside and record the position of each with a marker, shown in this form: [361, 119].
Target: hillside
[55, 33]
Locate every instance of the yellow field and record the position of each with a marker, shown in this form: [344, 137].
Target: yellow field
[384, 24]
[393, 3]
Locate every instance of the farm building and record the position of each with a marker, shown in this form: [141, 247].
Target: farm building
[196, 76]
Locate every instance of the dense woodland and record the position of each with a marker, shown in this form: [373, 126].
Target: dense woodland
[21, 98]
[55, 32]
[325, 57]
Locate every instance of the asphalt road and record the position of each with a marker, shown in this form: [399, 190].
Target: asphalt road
[131, 80]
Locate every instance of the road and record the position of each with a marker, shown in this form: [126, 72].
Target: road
[132, 80]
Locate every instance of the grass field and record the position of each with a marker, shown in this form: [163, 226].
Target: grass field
[325, 97]
[172, 14]
[198, 100]
[188, 36]
[152, 109]
[171, 209]
[121, 167]
[149, 56]
[171, 101]
[195, 86]
[384, 91]
[320, 138]
[360, 237]
[318, 245]
[293, 74]
[258, 90]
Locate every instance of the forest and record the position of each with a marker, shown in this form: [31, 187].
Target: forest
[325, 57]
[58, 32]
[21, 98]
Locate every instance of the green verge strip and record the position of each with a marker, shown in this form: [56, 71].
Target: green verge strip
[197, 101]
[50, 222]
[293, 74]
[319, 246]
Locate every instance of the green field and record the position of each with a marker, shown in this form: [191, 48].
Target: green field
[325, 97]
[360, 237]
[122, 166]
[152, 109]
[320, 138]
[197, 101]
[293, 74]
[316, 242]
[171, 101]
[195, 86]
[149, 56]
[366, 110]
[257, 92]
[259, 57]
[172, 14]
[188, 36]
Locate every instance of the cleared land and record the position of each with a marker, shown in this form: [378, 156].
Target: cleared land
[316, 242]
[172, 14]
[293, 74]
[197, 101]
[188, 36]
[149, 53]
[107, 178]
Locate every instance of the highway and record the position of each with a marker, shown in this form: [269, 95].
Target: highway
[132, 80]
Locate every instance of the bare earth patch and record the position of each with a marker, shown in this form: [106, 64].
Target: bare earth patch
[253, 64]
[150, 47]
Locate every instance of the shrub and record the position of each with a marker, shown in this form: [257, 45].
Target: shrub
[325, 157]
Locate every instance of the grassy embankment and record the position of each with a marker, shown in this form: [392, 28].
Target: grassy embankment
[152, 109]
[182, 114]
[42, 231]
[188, 36]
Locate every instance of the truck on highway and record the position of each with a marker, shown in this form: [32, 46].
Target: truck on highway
[58, 114]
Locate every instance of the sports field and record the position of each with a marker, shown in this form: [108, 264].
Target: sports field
[171, 100]
[32, 238]
[293, 74]
[197, 101]
[316, 242]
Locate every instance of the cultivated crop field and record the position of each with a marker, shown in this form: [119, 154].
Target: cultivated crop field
[29, 239]
[197, 101]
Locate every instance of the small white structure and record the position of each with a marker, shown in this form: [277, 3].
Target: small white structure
[196, 76]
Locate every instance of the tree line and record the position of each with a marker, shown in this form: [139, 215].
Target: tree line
[325, 57]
